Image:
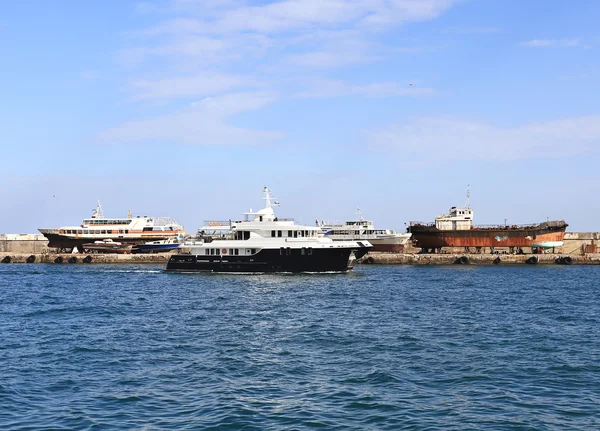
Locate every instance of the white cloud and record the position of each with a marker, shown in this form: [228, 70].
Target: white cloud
[326, 88]
[442, 138]
[201, 123]
[207, 83]
[551, 43]
[293, 15]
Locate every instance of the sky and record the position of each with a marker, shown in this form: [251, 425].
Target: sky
[187, 108]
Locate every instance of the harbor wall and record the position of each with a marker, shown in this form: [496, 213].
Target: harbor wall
[477, 259]
[80, 258]
[23, 243]
[581, 243]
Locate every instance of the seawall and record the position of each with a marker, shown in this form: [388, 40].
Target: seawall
[79, 258]
[479, 259]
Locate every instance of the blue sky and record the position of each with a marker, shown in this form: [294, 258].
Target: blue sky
[187, 108]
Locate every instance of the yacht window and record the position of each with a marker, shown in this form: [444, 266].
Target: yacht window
[295, 234]
[289, 233]
[126, 230]
[260, 218]
[279, 233]
[272, 234]
[247, 235]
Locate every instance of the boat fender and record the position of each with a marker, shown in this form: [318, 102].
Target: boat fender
[87, 259]
[6, 259]
[563, 260]
[497, 261]
[59, 259]
[463, 260]
[31, 259]
[72, 259]
[533, 260]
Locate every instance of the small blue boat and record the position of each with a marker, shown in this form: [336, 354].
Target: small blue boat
[160, 246]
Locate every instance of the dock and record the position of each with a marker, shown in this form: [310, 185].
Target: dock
[478, 259]
[80, 258]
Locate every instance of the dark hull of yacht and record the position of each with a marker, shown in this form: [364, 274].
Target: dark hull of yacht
[271, 260]
[62, 241]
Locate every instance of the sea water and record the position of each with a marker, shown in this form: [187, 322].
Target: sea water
[382, 347]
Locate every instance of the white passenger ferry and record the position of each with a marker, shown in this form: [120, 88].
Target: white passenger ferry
[264, 243]
[127, 230]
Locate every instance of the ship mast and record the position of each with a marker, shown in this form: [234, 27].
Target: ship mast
[468, 196]
[268, 198]
[98, 213]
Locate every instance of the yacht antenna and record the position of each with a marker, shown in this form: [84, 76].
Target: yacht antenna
[359, 214]
[268, 198]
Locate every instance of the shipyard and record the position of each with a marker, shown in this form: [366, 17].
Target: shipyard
[451, 239]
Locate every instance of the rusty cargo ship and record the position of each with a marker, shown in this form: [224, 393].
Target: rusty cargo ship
[456, 229]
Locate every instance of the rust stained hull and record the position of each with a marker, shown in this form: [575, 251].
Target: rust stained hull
[427, 237]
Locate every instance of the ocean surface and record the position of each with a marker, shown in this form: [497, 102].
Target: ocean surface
[381, 348]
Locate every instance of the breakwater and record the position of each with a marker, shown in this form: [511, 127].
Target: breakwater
[65, 258]
[479, 259]
[373, 258]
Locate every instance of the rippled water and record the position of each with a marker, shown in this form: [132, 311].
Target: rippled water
[397, 347]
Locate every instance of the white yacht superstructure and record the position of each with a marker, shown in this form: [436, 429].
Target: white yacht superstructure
[265, 243]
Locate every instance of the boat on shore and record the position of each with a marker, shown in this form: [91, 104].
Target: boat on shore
[456, 229]
[130, 230]
[265, 243]
[107, 246]
[382, 240]
[159, 246]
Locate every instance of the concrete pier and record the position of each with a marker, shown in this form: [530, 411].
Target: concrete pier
[78, 258]
[479, 259]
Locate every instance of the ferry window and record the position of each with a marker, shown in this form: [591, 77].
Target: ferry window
[126, 230]
[281, 251]
[309, 250]
[146, 229]
[253, 251]
[272, 234]
[260, 218]
[303, 252]
[247, 235]
[279, 233]
[289, 233]
[295, 234]
[237, 252]
[289, 251]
